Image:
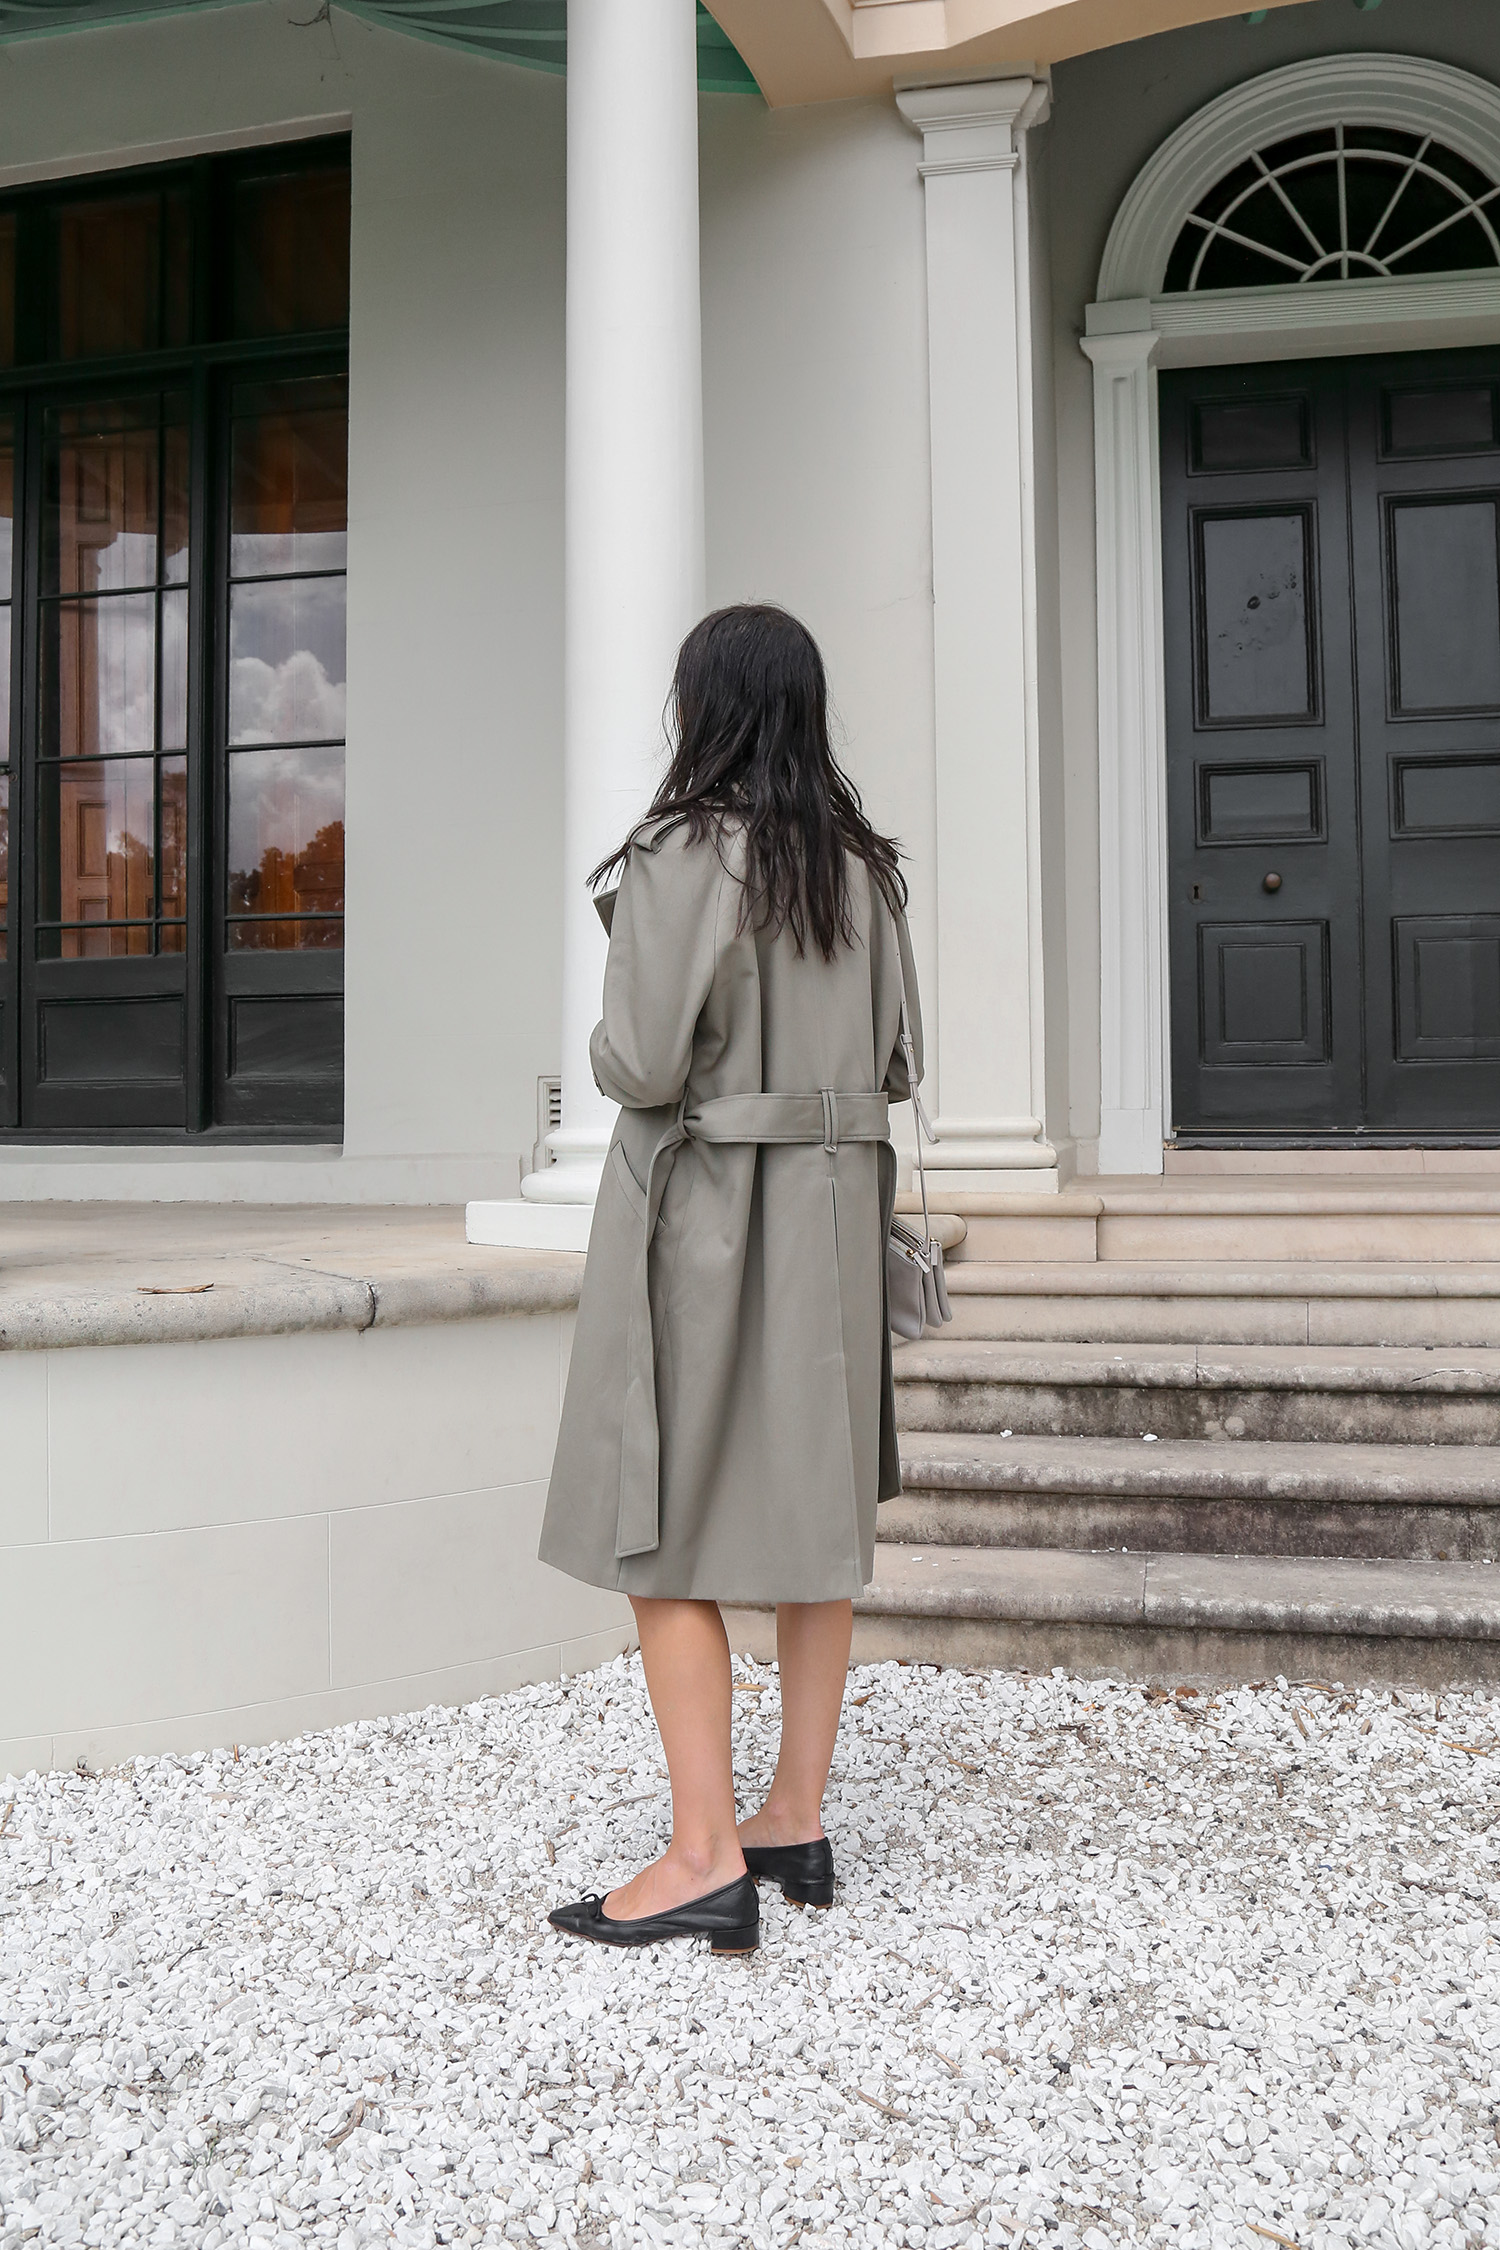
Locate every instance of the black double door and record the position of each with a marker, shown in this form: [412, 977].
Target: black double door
[1331, 539]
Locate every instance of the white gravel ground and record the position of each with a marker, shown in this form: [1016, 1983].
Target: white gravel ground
[1106, 1967]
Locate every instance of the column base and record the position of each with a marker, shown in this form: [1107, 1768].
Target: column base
[556, 1206]
[517, 1225]
[989, 1156]
[987, 1180]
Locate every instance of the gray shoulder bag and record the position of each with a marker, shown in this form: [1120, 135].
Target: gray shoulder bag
[916, 1293]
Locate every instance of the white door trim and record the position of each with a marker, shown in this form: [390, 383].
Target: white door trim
[1131, 332]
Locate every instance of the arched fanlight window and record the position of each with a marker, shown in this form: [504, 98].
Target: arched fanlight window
[1336, 204]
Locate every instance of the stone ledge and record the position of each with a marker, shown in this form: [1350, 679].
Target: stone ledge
[165, 1274]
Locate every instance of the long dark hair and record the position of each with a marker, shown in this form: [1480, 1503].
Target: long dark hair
[749, 724]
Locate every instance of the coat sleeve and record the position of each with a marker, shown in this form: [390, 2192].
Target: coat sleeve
[663, 949]
[897, 1082]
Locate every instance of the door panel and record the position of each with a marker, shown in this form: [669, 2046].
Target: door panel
[1448, 987]
[1265, 993]
[1424, 482]
[1446, 796]
[1254, 617]
[1261, 782]
[1445, 603]
[1331, 540]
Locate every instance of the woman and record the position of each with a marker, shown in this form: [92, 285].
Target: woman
[729, 1422]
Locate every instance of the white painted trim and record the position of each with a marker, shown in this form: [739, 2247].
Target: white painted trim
[1404, 91]
[83, 163]
[1135, 1079]
[986, 1013]
[1298, 321]
[1132, 332]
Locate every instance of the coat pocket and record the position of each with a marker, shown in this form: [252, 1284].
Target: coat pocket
[634, 1193]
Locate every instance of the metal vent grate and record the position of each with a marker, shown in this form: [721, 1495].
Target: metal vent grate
[548, 1119]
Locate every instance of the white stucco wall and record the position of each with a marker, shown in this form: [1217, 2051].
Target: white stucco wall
[815, 425]
[373, 1559]
[1110, 111]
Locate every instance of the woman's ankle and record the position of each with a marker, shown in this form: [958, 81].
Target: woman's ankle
[705, 1857]
[778, 1825]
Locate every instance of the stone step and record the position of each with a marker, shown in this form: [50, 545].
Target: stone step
[1240, 1391]
[1369, 1165]
[1318, 1219]
[1173, 1616]
[1429, 1503]
[1180, 1301]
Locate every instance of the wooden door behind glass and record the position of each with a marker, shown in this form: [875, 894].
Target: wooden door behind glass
[104, 960]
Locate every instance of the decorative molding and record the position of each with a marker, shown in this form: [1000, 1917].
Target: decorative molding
[1330, 317]
[974, 127]
[1404, 91]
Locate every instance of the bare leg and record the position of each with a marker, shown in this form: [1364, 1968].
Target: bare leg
[685, 1651]
[812, 1650]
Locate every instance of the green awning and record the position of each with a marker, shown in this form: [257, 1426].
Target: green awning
[532, 32]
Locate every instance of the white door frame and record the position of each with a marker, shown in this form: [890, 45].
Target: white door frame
[1131, 331]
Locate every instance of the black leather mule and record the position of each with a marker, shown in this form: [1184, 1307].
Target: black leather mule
[804, 1871]
[728, 1918]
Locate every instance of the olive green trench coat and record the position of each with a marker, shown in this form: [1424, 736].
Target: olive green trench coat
[729, 1421]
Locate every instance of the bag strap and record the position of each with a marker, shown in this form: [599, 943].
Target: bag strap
[924, 1122]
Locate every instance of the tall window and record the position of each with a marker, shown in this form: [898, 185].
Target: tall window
[173, 423]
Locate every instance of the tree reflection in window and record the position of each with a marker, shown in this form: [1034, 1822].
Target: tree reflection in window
[288, 527]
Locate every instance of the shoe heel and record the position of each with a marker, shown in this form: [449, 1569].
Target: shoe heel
[809, 1894]
[743, 1940]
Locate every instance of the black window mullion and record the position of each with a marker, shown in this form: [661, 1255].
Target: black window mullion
[202, 756]
[21, 606]
[25, 737]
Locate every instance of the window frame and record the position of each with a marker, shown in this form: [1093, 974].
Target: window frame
[206, 367]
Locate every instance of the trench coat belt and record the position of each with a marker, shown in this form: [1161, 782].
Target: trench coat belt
[821, 1120]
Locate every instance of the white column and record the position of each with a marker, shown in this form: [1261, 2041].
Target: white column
[987, 1011]
[1132, 745]
[633, 508]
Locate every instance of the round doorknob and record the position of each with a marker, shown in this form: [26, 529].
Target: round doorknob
[1271, 882]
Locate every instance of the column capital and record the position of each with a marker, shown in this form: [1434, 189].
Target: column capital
[976, 127]
[1123, 346]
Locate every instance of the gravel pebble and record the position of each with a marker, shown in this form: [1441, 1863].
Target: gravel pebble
[1108, 1965]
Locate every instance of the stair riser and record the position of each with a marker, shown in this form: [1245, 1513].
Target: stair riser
[1091, 1522]
[1106, 1410]
[1204, 1658]
[1391, 1237]
[1029, 1241]
[1463, 1323]
[1396, 1237]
